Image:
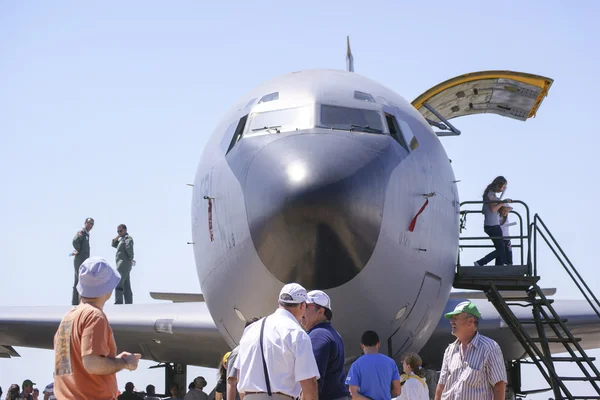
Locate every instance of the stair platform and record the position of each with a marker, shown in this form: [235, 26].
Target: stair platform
[513, 277]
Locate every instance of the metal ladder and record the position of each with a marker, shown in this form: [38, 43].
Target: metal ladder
[538, 349]
[549, 326]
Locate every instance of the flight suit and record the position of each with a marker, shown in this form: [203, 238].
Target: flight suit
[124, 259]
[81, 243]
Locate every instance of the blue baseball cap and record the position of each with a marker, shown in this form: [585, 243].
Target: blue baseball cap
[96, 278]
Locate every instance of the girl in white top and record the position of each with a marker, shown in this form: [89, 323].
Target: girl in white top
[504, 224]
[413, 383]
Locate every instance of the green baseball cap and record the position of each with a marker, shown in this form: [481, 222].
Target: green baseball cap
[464, 307]
[28, 383]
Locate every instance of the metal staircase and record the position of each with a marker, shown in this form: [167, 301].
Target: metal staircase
[546, 329]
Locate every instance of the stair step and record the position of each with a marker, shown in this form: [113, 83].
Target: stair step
[577, 397]
[579, 378]
[529, 300]
[571, 359]
[499, 272]
[555, 340]
[543, 321]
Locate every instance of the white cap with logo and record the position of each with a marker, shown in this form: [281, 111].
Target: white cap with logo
[292, 293]
[320, 298]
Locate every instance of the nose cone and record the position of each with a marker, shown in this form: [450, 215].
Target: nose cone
[315, 204]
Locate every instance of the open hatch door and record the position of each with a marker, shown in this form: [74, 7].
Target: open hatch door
[509, 94]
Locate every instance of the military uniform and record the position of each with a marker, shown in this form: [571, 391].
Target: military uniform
[124, 259]
[81, 243]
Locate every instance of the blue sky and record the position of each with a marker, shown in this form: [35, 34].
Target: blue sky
[105, 109]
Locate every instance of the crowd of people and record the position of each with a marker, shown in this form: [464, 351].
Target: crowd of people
[195, 392]
[28, 392]
[296, 353]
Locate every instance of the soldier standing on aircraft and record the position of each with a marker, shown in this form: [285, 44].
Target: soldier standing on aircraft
[124, 258]
[81, 244]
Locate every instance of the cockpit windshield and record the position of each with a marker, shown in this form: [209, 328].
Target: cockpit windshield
[350, 119]
[277, 121]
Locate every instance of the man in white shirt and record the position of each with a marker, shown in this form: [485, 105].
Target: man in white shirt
[275, 358]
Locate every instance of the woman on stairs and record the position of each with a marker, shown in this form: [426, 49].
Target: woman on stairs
[491, 223]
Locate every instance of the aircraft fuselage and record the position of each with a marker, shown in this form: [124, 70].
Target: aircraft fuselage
[314, 177]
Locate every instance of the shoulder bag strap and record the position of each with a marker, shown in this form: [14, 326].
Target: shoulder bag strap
[262, 352]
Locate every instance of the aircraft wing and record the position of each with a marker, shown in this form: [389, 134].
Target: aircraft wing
[582, 322]
[182, 333]
[510, 94]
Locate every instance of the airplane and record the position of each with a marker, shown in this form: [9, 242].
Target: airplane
[329, 179]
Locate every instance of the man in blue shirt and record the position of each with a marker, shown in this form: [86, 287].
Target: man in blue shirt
[327, 345]
[373, 375]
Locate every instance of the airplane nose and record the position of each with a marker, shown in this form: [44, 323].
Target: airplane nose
[316, 215]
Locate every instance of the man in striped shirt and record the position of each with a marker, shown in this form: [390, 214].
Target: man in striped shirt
[473, 366]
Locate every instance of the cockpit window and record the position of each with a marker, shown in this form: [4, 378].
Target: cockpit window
[289, 119]
[351, 119]
[269, 97]
[395, 131]
[363, 96]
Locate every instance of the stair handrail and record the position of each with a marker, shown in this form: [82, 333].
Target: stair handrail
[554, 246]
[524, 239]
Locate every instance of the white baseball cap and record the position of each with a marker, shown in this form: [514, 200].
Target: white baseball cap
[320, 298]
[96, 278]
[292, 293]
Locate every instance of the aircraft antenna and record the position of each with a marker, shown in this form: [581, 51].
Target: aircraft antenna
[349, 57]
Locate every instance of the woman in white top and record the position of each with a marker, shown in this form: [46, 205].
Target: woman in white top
[413, 383]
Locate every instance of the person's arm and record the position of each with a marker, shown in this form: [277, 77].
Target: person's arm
[443, 374]
[396, 388]
[305, 367]
[218, 396]
[232, 375]
[115, 242]
[77, 241]
[499, 390]
[95, 347]
[355, 395]
[438, 392]
[310, 389]
[231, 387]
[321, 349]
[129, 248]
[100, 365]
[496, 371]
[496, 206]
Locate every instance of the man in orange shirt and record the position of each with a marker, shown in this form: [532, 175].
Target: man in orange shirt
[86, 362]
